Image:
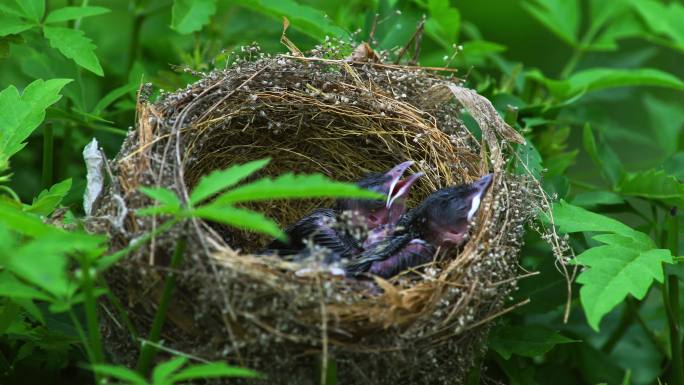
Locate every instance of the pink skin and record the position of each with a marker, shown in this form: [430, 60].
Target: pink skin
[395, 205]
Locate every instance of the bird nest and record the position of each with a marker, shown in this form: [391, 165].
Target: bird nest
[343, 119]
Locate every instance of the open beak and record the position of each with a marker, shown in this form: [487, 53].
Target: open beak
[402, 187]
[395, 174]
[480, 187]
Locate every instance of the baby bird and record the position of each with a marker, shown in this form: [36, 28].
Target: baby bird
[441, 220]
[320, 226]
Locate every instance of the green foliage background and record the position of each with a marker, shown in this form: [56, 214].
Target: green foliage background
[595, 85]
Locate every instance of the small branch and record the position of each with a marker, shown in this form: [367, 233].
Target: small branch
[416, 35]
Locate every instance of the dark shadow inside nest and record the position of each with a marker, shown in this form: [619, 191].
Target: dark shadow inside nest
[312, 148]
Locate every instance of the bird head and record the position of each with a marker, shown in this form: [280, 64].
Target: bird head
[376, 212]
[448, 211]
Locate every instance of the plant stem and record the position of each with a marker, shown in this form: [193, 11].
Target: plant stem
[62, 170]
[148, 351]
[139, 18]
[84, 339]
[90, 304]
[630, 311]
[48, 150]
[671, 298]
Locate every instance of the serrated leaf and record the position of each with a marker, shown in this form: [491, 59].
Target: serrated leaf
[120, 373]
[221, 179]
[72, 13]
[240, 218]
[73, 44]
[294, 186]
[615, 270]
[10, 25]
[527, 341]
[595, 79]
[46, 202]
[304, 18]
[162, 371]
[213, 370]
[20, 114]
[162, 195]
[189, 16]
[653, 184]
[573, 219]
[561, 17]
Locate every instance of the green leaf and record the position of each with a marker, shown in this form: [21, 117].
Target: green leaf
[593, 199]
[595, 79]
[530, 161]
[11, 287]
[603, 12]
[73, 44]
[653, 184]
[304, 18]
[112, 96]
[189, 16]
[23, 223]
[444, 23]
[240, 218]
[674, 165]
[10, 25]
[622, 27]
[164, 370]
[560, 16]
[663, 19]
[20, 114]
[623, 266]
[525, 340]
[72, 13]
[573, 219]
[47, 200]
[294, 186]
[158, 210]
[627, 263]
[666, 122]
[43, 263]
[120, 373]
[32, 9]
[213, 370]
[162, 195]
[602, 155]
[221, 179]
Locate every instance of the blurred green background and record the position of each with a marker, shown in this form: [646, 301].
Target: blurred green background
[574, 69]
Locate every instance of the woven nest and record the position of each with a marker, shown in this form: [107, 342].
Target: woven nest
[342, 119]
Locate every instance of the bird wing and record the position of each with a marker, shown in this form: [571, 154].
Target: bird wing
[415, 253]
[299, 231]
[382, 251]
